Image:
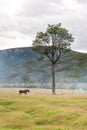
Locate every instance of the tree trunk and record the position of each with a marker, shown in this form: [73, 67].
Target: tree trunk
[53, 79]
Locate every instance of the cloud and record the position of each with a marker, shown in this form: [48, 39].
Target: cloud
[39, 8]
[82, 1]
[20, 20]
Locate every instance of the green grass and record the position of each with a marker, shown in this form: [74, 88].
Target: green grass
[42, 112]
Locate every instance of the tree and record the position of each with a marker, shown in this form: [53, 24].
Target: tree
[53, 43]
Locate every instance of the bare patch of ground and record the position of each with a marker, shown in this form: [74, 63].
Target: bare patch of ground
[65, 92]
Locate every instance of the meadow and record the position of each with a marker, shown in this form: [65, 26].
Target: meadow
[40, 110]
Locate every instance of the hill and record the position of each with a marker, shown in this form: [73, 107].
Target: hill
[20, 65]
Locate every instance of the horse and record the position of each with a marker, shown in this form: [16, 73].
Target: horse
[23, 91]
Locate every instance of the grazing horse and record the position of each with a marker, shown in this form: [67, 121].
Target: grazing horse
[23, 91]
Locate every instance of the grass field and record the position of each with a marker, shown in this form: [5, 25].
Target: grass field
[39, 111]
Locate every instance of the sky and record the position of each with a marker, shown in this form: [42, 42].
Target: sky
[20, 20]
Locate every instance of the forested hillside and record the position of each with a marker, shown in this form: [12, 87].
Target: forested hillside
[21, 65]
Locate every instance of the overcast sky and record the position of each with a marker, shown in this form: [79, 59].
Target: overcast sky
[20, 20]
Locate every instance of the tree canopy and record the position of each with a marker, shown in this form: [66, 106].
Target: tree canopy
[53, 43]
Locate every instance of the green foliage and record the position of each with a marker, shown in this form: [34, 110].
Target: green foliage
[53, 43]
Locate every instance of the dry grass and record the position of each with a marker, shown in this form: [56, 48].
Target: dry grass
[40, 110]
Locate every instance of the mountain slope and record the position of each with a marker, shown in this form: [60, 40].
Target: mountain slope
[20, 65]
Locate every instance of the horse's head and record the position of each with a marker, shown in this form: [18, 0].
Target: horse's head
[28, 91]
